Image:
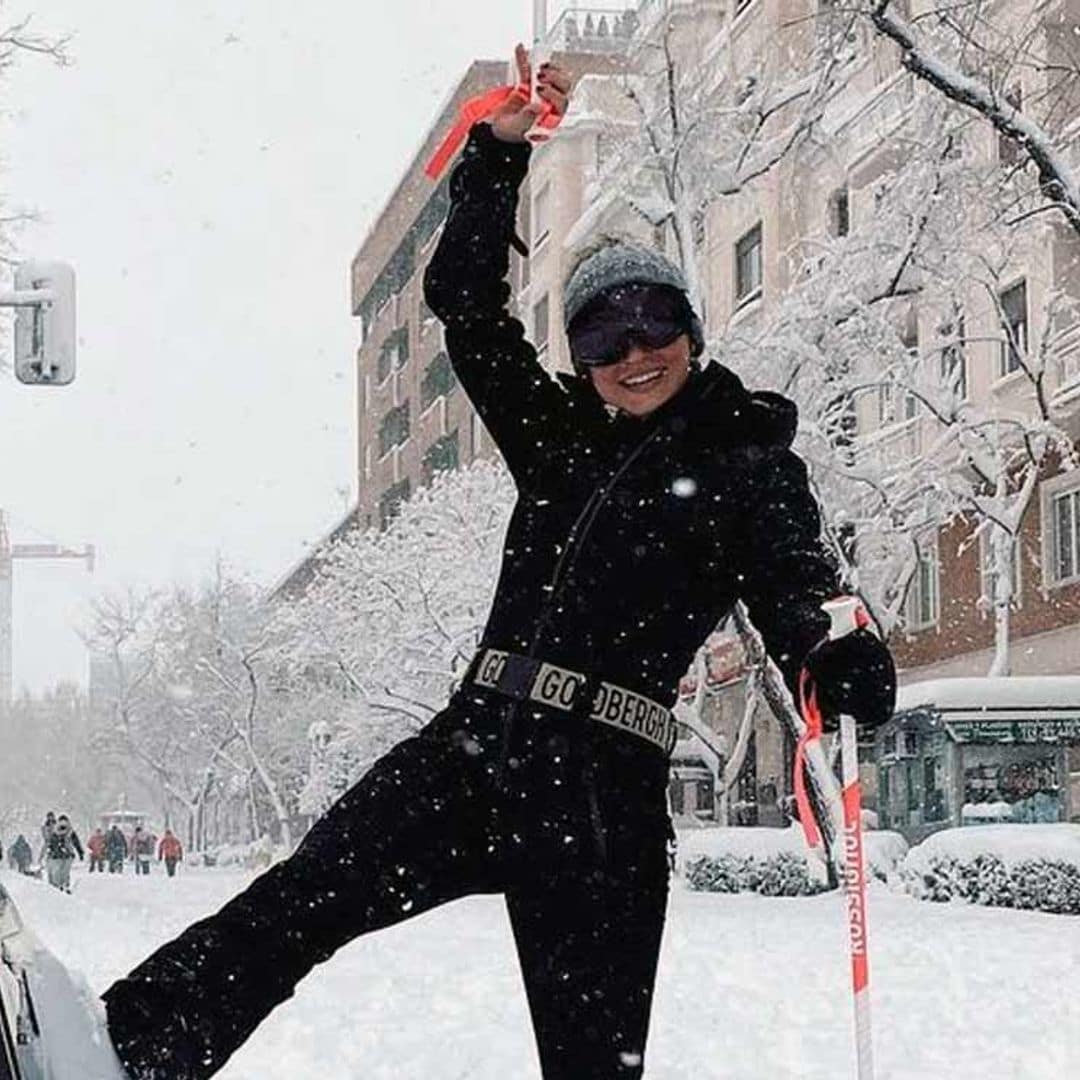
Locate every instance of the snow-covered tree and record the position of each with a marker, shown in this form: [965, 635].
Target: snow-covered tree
[371, 649]
[186, 708]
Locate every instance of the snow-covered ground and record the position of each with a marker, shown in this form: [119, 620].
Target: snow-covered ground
[751, 988]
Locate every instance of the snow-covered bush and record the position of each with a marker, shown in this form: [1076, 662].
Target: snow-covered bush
[782, 874]
[883, 850]
[1018, 866]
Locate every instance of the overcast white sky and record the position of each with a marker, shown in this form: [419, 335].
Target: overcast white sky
[209, 175]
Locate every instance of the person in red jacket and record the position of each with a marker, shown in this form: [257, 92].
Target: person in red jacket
[95, 848]
[170, 850]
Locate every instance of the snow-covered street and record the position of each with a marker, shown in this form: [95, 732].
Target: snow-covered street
[751, 988]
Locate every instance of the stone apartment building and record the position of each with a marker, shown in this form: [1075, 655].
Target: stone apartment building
[413, 422]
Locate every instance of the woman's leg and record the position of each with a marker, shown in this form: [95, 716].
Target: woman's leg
[416, 831]
[588, 944]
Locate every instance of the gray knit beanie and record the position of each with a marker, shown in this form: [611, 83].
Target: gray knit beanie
[617, 262]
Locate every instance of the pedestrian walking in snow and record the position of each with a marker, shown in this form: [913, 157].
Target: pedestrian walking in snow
[21, 855]
[116, 849]
[47, 828]
[60, 850]
[654, 491]
[170, 850]
[142, 850]
[95, 848]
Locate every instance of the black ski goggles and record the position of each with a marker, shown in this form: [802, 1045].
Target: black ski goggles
[605, 330]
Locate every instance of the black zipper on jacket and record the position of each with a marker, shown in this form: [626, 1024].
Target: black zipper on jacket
[575, 538]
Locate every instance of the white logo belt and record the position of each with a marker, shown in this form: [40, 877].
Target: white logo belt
[523, 677]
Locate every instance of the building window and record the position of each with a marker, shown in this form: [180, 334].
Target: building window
[934, 808]
[390, 501]
[394, 354]
[394, 429]
[1065, 536]
[698, 226]
[427, 316]
[748, 266]
[541, 215]
[540, 325]
[987, 572]
[909, 338]
[914, 802]
[921, 606]
[438, 380]
[1013, 303]
[840, 213]
[440, 456]
[953, 358]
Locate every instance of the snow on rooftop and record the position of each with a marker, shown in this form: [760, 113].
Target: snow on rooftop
[1009, 692]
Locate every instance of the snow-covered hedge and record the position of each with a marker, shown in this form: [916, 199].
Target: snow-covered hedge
[782, 874]
[772, 862]
[1036, 867]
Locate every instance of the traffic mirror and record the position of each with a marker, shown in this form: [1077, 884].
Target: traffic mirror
[44, 301]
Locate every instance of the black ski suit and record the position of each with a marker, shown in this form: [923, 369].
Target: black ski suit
[629, 541]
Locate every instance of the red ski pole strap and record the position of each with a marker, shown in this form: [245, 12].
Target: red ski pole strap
[482, 107]
[811, 715]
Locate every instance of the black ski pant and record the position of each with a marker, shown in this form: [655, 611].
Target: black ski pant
[565, 818]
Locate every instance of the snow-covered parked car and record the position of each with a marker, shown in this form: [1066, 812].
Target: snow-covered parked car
[51, 1023]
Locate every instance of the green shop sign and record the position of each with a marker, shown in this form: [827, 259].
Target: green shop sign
[1015, 731]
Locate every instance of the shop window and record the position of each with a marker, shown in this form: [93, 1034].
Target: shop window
[1065, 536]
[1014, 327]
[922, 605]
[934, 807]
[1012, 783]
[745, 809]
[748, 266]
[911, 780]
[704, 795]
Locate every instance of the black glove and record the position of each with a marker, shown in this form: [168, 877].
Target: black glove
[854, 674]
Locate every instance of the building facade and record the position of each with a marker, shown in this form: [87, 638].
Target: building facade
[751, 245]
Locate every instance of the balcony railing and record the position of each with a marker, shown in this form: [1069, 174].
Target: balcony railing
[594, 29]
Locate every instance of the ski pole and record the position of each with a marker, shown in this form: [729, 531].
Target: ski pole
[854, 878]
[846, 615]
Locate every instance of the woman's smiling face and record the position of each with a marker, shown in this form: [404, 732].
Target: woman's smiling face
[644, 379]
